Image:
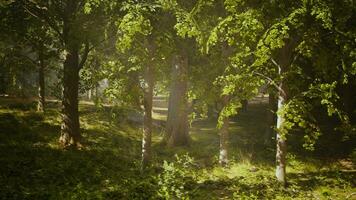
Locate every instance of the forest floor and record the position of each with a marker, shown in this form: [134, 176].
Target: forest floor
[33, 166]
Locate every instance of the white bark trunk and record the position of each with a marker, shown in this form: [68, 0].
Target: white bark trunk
[89, 94]
[224, 136]
[281, 147]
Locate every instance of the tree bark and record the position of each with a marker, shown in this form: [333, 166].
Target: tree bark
[70, 129]
[177, 129]
[41, 85]
[285, 60]
[224, 136]
[281, 145]
[271, 117]
[147, 118]
[3, 72]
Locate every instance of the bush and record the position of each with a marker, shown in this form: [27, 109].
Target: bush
[177, 178]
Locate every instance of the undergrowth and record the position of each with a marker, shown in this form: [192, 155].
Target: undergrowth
[33, 166]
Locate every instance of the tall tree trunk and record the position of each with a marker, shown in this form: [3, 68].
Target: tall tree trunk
[271, 117]
[177, 129]
[147, 118]
[41, 86]
[281, 144]
[70, 130]
[285, 60]
[224, 135]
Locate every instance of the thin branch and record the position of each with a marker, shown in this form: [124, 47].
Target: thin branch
[275, 63]
[272, 82]
[295, 58]
[87, 50]
[46, 18]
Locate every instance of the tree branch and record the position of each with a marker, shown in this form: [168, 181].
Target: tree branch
[43, 16]
[271, 82]
[275, 63]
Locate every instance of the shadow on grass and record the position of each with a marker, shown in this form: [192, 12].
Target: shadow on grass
[32, 166]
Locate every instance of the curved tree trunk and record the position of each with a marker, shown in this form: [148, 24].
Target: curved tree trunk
[177, 129]
[224, 136]
[41, 86]
[70, 131]
[147, 118]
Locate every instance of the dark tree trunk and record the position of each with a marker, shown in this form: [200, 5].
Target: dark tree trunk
[70, 131]
[244, 105]
[271, 117]
[177, 129]
[3, 73]
[147, 118]
[70, 128]
[224, 135]
[347, 94]
[41, 86]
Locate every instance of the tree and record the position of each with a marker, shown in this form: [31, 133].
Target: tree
[140, 40]
[236, 29]
[33, 42]
[235, 84]
[287, 46]
[273, 32]
[75, 23]
[177, 128]
[39, 39]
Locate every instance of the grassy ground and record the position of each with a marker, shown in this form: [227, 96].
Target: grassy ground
[32, 166]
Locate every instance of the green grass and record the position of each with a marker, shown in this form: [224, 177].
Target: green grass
[33, 166]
